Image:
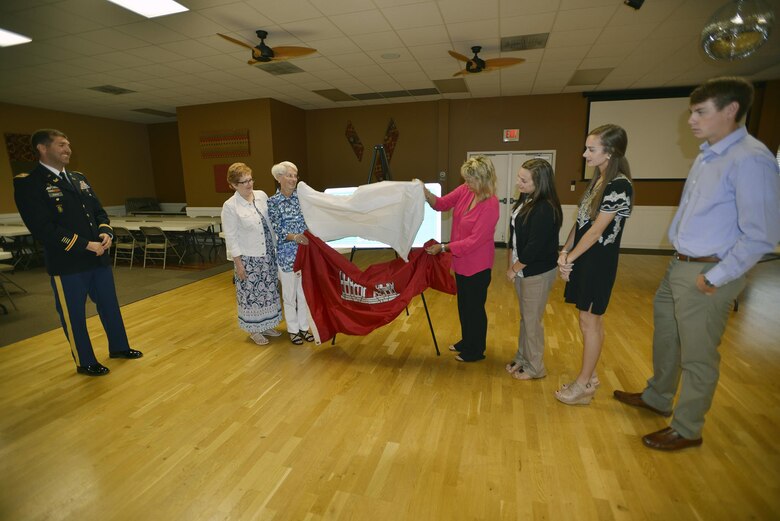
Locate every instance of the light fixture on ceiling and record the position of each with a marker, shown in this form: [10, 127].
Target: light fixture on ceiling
[737, 29]
[151, 8]
[8, 38]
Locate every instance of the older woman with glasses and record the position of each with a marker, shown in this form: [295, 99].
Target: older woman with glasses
[250, 242]
[474, 216]
[287, 220]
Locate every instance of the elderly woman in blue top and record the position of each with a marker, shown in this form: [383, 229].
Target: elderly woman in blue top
[284, 210]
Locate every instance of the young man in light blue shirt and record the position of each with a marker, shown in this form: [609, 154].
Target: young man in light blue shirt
[727, 220]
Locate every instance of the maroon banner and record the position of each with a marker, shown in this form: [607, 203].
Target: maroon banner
[344, 299]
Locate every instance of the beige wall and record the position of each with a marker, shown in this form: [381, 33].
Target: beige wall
[435, 136]
[166, 162]
[254, 115]
[555, 122]
[288, 124]
[332, 161]
[114, 155]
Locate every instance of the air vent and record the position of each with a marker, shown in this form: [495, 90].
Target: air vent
[112, 89]
[395, 94]
[423, 92]
[589, 76]
[279, 68]
[334, 95]
[153, 112]
[451, 86]
[524, 42]
[367, 96]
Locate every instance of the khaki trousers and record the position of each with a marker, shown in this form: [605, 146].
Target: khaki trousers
[532, 293]
[688, 326]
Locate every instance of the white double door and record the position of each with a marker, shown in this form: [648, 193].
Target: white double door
[507, 164]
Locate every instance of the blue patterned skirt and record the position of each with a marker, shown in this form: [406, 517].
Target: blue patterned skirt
[259, 306]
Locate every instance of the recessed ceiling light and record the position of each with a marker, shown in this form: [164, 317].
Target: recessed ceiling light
[7, 38]
[151, 8]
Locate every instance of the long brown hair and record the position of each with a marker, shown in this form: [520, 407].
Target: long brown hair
[615, 141]
[544, 190]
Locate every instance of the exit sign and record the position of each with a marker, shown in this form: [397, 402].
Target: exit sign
[511, 134]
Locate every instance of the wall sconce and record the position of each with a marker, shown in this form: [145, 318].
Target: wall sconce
[737, 29]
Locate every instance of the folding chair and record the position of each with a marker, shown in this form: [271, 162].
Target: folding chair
[156, 245]
[124, 245]
[4, 280]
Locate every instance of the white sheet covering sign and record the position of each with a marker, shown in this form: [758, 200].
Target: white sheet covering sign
[389, 212]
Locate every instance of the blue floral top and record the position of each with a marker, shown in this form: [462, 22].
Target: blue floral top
[286, 217]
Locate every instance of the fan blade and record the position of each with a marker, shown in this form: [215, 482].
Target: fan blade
[286, 53]
[497, 63]
[458, 56]
[239, 42]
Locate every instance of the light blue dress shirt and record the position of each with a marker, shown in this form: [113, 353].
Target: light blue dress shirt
[729, 206]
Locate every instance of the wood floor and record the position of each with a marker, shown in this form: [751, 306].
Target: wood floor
[211, 426]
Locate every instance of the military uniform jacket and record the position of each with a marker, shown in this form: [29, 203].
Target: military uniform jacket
[64, 217]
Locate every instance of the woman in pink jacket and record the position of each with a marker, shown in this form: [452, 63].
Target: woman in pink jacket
[474, 216]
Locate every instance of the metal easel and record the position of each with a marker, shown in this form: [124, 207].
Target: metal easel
[379, 154]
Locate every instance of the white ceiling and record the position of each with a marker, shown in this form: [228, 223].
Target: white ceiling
[179, 60]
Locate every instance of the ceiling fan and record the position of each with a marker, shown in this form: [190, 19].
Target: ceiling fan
[262, 53]
[477, 64]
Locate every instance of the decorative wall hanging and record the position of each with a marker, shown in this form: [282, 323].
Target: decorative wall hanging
[224, 143]
[391, 138]
[20, 154]
[354, 140]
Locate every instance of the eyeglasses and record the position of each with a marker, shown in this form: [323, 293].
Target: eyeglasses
[245, 181]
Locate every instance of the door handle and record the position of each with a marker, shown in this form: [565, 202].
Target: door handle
[502, 201]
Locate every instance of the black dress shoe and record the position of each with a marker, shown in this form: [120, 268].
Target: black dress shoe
[130, 353]
[93, 370]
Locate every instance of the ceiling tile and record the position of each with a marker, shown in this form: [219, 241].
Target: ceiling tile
[336, 7]
[372, 42]
[335, 46]
[526, 24]
[364, 22]
[415, 15]
[583, 37]
[427, 35]
[313, 29]
[236, 17]
[467, 11]
[286, 11]
[583, 18]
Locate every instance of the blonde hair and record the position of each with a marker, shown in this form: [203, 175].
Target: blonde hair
[236, 171]
[481, 170]
[280, 169]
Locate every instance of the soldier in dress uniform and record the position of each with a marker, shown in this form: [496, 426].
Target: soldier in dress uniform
[63, 213]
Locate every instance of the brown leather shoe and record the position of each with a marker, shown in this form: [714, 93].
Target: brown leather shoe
[669, 439]
[635, 400]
